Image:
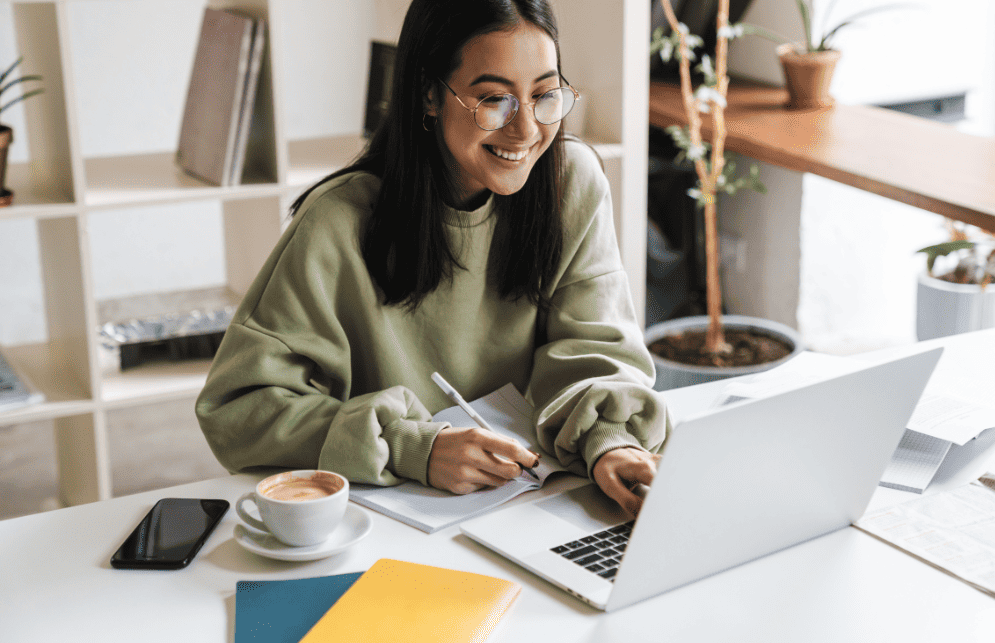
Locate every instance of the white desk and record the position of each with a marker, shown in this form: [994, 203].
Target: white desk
[56, 583]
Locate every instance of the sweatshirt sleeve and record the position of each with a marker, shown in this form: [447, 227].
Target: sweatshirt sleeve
[279, 393]
[592, 375]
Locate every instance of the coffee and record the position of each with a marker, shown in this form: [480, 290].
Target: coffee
[298, 489]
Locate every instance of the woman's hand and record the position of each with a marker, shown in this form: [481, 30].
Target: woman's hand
[465, 460]
[620, 470]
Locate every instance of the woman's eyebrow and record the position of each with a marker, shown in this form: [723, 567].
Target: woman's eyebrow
[491, 78]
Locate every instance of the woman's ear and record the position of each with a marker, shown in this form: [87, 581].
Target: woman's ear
[428, 98]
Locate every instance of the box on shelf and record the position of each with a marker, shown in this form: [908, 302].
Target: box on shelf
[157, 327]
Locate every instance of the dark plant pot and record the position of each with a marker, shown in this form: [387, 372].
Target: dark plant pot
[670, 374]
[6, 137]
[944, 308]
[807, 76]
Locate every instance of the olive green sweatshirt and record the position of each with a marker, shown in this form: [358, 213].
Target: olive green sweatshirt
[314, 372]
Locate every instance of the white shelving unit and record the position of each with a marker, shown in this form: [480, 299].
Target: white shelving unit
[604, 47]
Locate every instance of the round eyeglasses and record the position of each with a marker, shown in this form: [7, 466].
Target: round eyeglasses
[494, 112]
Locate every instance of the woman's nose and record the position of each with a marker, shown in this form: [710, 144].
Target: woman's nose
[524, 126]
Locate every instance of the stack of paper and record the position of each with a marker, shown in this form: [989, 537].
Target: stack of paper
[953, 531]
[941, 419]
[218, 113]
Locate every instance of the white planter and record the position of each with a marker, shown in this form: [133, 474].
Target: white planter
[944, 308]
[671, 374]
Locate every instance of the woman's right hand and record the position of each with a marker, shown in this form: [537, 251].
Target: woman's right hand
[464, 460]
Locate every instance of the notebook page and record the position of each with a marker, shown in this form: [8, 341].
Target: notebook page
[430, 509]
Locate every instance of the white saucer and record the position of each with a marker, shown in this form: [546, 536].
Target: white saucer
[355, 525]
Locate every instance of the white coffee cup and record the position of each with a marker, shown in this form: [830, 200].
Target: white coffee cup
[299, 508]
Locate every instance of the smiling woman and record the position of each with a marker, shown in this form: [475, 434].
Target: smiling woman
[470, 239]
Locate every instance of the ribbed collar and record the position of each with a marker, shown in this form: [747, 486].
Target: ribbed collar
[470, 218]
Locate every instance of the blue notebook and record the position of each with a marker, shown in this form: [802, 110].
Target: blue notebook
[284, 610]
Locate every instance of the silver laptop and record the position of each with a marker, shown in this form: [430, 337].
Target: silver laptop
[734, 484]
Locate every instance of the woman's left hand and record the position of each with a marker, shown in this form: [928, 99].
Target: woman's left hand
[619, 470]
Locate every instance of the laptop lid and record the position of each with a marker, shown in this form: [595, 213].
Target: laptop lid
[754, 477]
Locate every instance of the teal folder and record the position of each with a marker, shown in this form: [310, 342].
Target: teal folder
[278, 611]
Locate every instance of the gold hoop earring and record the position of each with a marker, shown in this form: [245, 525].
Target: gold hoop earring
[424, 122]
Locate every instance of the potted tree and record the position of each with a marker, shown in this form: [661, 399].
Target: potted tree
[6, 133]
[697, 349]
[954, 298]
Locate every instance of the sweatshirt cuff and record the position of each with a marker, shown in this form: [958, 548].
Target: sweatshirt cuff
[410, 445]
[602, 437]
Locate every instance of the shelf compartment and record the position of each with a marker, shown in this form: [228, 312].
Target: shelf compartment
[48, 178]
[154, 382]
[313, 159]
[32, 197]
[154, 178]
[44, 367]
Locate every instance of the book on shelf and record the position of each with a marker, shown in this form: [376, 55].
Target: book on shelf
[16, 390]
[378, 86]
[221, 96]
[402, 601]
[248, 102]
[431, 509]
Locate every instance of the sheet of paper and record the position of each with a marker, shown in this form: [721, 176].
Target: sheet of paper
[953, 531]
[948, 417]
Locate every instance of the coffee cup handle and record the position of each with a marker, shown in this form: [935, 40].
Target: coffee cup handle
[244, 515]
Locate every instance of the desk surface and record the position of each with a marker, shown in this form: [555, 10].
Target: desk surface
[56, 583]
[913, 160]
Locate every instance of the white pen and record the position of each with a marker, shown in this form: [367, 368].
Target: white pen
[454, 395]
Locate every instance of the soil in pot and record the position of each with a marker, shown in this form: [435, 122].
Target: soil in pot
[748, 349]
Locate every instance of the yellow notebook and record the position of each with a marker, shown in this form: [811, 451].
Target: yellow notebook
[401, 601]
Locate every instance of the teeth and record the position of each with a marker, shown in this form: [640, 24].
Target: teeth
[511, 156]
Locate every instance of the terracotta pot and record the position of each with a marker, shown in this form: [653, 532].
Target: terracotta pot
[6, 136]
[670, 374]
[807, 76]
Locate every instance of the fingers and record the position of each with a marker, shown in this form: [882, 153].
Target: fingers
[620, 472]
[464, 460]
[507, 452]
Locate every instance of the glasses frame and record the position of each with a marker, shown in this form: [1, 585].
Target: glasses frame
[519, 109]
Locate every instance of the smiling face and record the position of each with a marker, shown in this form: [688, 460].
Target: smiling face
[521, 62]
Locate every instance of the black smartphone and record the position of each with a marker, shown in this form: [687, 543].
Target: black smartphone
[170, 535]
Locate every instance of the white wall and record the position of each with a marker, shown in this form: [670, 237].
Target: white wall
[854, 251]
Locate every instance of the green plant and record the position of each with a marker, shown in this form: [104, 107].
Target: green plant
[817, 40]
[7, 85]
[972, 262]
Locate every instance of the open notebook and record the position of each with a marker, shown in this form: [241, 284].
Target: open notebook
[430, 509]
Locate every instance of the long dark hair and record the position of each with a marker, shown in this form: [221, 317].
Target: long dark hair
[405, 245]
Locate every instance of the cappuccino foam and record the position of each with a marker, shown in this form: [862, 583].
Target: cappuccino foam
[297, 489]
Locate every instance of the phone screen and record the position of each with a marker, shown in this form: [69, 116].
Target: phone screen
[171, 534]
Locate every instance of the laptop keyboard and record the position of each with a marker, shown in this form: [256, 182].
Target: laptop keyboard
[598, 553]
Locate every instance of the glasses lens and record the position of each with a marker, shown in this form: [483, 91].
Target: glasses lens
[494, 112]
[554, 105]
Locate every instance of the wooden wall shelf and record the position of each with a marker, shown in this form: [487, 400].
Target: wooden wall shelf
[919, 162]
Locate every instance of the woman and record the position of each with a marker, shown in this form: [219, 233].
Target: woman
[468, 239]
